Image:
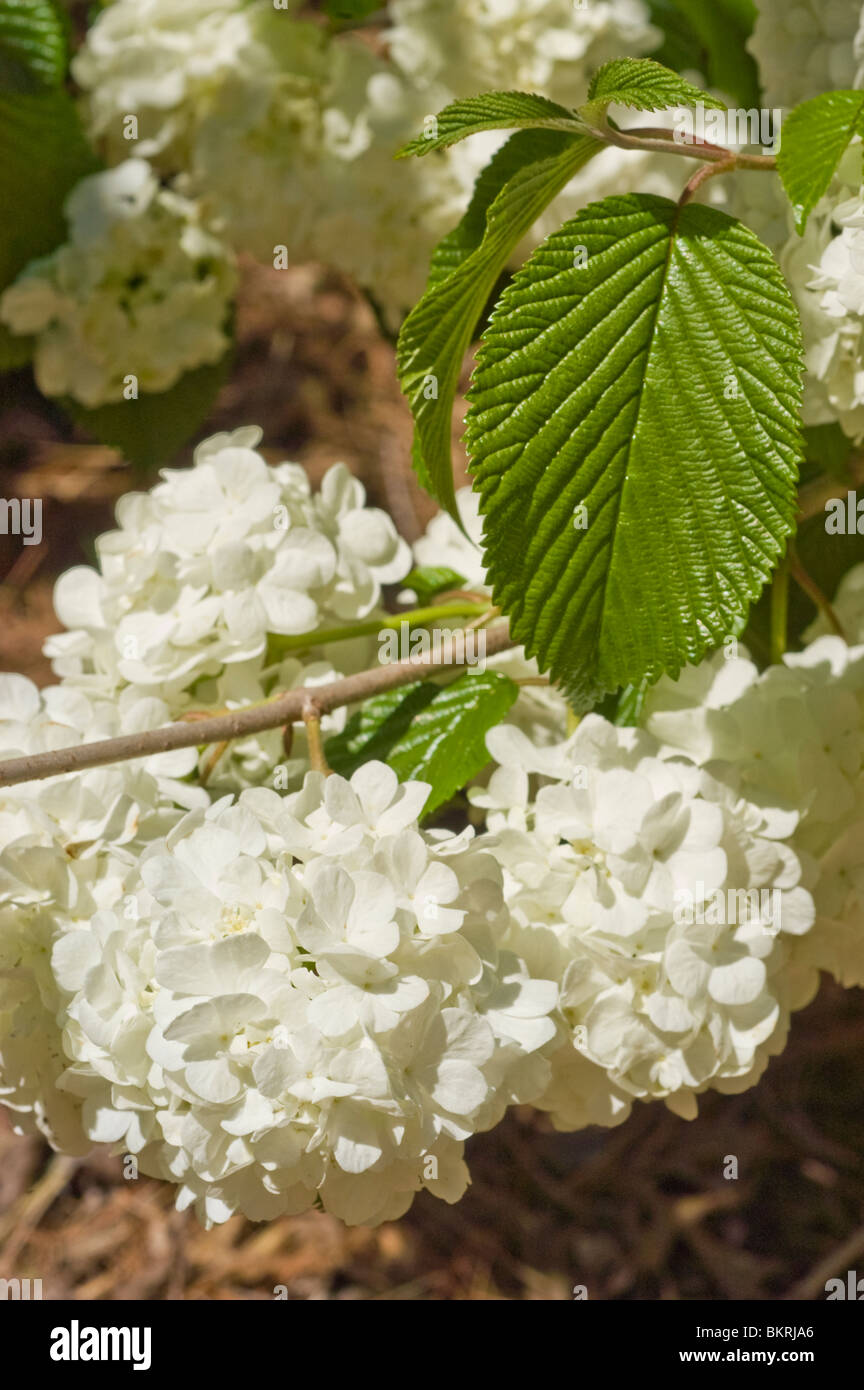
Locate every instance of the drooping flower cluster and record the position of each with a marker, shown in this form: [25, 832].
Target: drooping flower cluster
[209, 571]
[304, 999]
[138, 295]
[791, 737]
[663, 902]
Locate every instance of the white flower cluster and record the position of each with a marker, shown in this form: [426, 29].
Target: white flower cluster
[67, 845]
[807, 47]
[549, 46]
[207, 571]
[825, 268]
[283, 1001]
[662, 902]
[160, 63]
[138, 295]
[305, 1002]
[313, 122]
[791, 737]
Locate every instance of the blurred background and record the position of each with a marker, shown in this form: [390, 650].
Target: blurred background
[641, 1212]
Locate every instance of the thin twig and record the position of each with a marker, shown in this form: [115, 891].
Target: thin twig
[812, 498]
[273, 714]
[707, 171]
[806, 582]
[210, 762]
[650, 138]
[312, 720]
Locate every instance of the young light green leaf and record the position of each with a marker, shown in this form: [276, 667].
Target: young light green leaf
[33, 51]
[490, 111]
[634, 438]
[430, 580]
[426, 732]
[438, 331]
[814, 139]
[642, 84]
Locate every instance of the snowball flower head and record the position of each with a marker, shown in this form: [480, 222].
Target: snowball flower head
[307, 1002]
[136, 297]
[213, 560]
[66, 846]
[792, 736]
[661, 902]
[549, 46]
[163, 60]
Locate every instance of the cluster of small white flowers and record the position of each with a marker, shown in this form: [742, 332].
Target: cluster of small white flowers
[806, 47]
[138, 295]
[549, 46]
[314, 121]
[280, 1001]
[825, 269]
[662, 901]
[207, 571]
[67, 845]
[161, 62]
[306, 1002]
[791, 737]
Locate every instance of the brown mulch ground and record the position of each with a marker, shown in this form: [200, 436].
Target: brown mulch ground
[643, 1212]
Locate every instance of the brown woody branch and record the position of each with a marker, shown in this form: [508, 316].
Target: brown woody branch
[285, 709]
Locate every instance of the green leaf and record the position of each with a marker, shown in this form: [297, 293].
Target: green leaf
[519, 150]
[723, 27]
[426, 732]
[657, 385]
[680, 46]
[438, 331]
[149, 431]
[43, 154]
[815, 136]
[33, 52]
[491, 111]
[429, 580]
[642, 84]
[624, 707]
